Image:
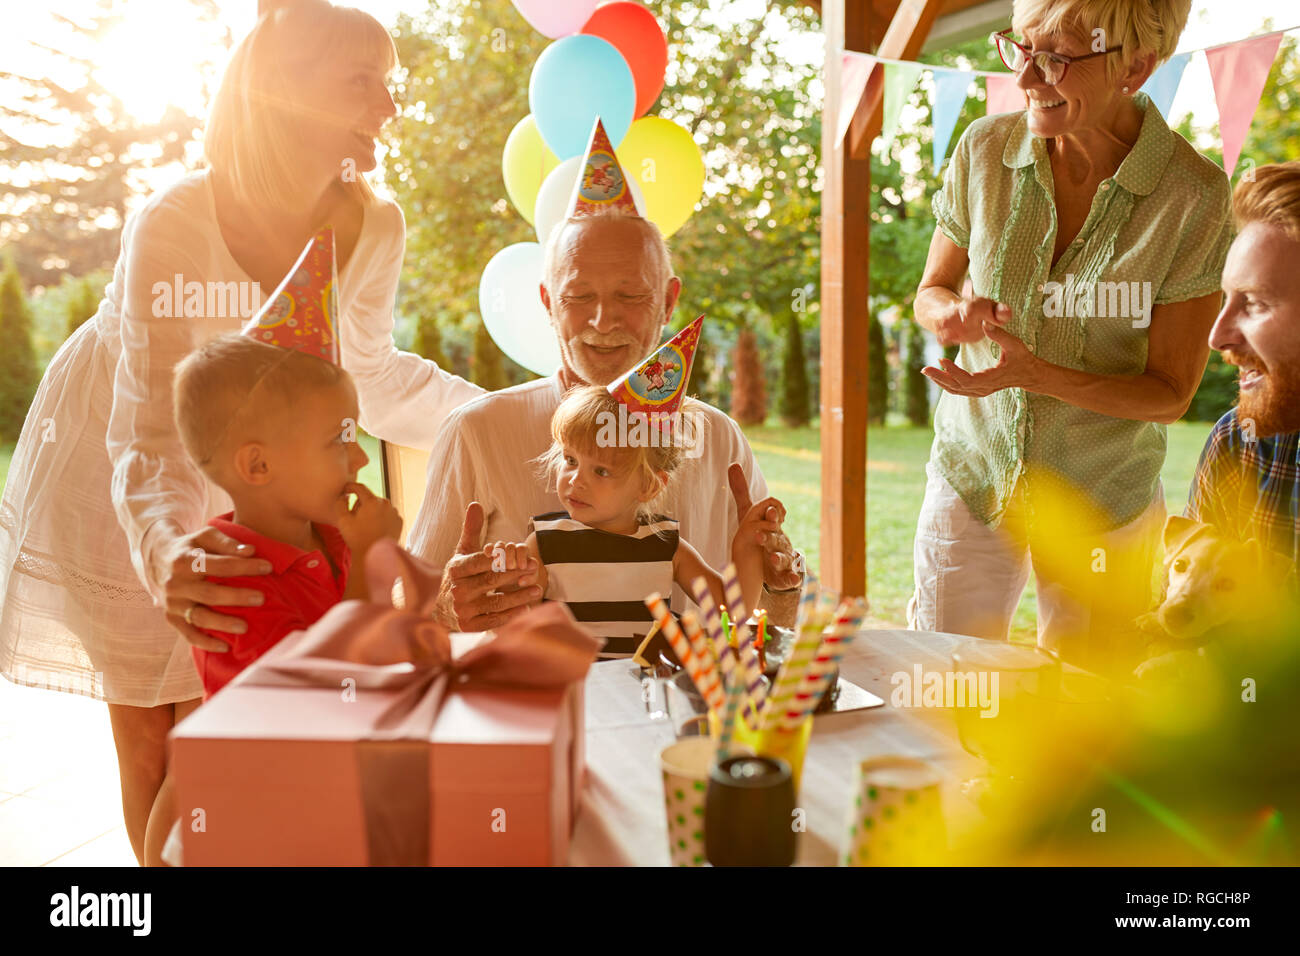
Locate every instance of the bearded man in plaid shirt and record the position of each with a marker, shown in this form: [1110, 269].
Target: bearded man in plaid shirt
[1247, 482]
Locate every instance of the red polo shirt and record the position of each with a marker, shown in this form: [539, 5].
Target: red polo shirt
[299, 590]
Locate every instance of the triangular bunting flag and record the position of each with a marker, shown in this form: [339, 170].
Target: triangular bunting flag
[855, 70]
[302, 313]
[1003, 96]
[1239, 72]
[1163, 84]
[900, 79]
[950, 88]
[658, 384]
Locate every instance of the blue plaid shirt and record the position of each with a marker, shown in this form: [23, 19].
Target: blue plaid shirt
[1249, 489]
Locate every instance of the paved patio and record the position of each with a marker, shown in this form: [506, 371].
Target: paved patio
[60, 803]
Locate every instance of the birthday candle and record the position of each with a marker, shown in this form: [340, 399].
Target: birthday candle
[726, 626]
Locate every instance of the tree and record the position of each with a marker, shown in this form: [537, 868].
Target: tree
[794, 404]
[83, 302]
[72, 156]
[877, 372]
[428, 341]
[18, 376]
[487, 367]
[704, 369]
[730, 81]
[916, 387]
[748, 381]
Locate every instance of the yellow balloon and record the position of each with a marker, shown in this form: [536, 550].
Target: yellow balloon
[664, 160]
[525, 162]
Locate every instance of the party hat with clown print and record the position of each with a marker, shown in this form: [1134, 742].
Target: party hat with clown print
[601, 183]
[302, 314]
[658, 385]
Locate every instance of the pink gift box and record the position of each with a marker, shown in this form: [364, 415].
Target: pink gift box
[286, 776]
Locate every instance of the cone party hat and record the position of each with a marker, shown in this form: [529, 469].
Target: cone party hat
[601, 182]
[658, 385]
[302, 314]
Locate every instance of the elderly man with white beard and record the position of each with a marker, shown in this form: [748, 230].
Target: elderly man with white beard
[609, 288]
[1248, 480]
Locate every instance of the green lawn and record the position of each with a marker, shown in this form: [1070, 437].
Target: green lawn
[791, 460]
[896, 458]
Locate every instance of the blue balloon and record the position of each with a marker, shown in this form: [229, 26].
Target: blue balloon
[576, 79]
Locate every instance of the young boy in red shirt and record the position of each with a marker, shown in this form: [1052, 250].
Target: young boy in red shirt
[276, 428]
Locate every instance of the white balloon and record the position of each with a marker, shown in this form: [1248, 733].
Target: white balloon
[512, 309]
[556, 195]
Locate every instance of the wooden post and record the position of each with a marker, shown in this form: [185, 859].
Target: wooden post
[846, 194]
[845, 313]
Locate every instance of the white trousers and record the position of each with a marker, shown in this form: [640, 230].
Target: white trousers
[969, 577]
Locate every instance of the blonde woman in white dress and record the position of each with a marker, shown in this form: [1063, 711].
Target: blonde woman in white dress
[102, 510]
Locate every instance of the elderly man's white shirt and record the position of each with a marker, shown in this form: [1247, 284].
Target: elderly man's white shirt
[487, 451]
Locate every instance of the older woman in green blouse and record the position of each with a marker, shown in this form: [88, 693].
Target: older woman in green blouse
[1094, 238]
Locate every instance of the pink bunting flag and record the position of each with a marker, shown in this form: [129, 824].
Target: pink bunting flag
[855, 70]
[1003, 96]
[1239, 72]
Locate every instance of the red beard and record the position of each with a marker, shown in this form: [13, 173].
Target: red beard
[1274, 404]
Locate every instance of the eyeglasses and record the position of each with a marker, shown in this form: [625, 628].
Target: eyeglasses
[1051, 67]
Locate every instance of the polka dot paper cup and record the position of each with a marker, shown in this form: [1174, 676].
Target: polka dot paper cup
[685, 767]
[896, 818]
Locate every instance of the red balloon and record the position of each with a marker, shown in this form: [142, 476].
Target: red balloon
[635, 33]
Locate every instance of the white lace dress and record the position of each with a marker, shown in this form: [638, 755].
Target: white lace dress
[99, 459]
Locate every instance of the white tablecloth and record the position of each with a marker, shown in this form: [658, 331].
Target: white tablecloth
[621, 821]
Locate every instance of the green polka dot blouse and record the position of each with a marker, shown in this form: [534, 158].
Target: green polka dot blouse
[1157, 233]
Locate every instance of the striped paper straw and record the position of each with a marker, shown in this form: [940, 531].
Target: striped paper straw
[735, 597]
[753, 678]
[694, 665]
[711, 689]
[792, 672]
[835, 639]
[806, 599]
[735, 694]
[712, 620]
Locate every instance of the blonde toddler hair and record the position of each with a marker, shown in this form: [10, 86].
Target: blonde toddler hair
[578, 421]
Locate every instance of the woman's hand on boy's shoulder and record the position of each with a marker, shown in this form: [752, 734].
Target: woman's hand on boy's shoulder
[365, 522]
[186, 562]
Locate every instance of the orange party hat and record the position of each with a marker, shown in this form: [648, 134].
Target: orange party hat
[302, 314]
[658, 384]
[601, 183]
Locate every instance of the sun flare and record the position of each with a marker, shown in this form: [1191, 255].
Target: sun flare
[155, 58]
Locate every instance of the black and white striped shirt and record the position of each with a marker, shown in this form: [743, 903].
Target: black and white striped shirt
[604, 577]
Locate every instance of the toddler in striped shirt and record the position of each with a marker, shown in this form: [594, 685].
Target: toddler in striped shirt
[611, 548]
